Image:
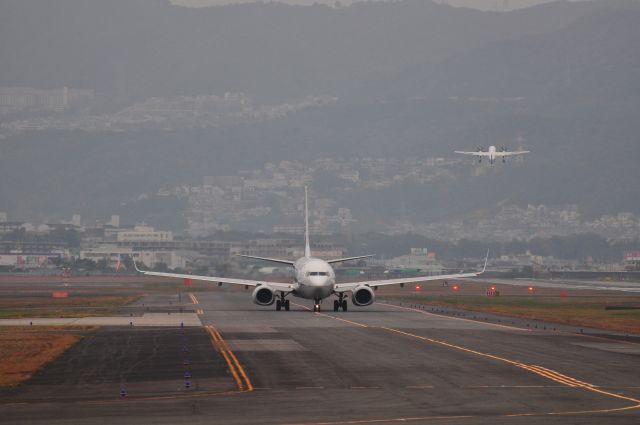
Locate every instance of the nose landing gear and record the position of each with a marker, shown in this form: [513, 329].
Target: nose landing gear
[316, 305]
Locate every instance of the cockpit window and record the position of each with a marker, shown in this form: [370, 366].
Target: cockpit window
[317, 274]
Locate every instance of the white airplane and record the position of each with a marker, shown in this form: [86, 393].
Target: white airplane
[314, 279]
[492, 153]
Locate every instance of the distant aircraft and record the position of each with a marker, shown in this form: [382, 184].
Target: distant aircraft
[314, 279]
[493, 153]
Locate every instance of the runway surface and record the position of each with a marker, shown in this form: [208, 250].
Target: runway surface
[376, 365]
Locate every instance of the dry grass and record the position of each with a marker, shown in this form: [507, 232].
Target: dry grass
[25, 350]
[73, 306]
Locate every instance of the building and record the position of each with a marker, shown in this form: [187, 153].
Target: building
[632, 260]
[115, 220]
[112, 254]
[3, 217]
[21, 98]
[419, 259]
[289, 249]
[27, 261]
[143, 233]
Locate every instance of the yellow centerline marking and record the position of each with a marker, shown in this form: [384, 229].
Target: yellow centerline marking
[302, 306]
[375, 421]
[538, 370]
[547, 373]
[239, 367]
[220, 346]
[200, 311]
[362, 325]
[194, 300]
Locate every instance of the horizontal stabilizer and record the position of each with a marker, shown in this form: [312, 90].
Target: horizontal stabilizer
[340, 260]
[271, 260]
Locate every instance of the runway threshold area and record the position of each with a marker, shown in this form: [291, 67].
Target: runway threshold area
[380, 364]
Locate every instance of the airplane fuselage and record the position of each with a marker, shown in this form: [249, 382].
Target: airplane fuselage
[314, 278]
[492, 154]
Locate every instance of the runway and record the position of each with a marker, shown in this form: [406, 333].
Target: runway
[381, 364]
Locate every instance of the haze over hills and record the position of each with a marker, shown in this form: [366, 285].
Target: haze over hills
[497, 5]
[413, 79]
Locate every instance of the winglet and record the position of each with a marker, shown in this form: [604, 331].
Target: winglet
[135, 265]
[486, 258]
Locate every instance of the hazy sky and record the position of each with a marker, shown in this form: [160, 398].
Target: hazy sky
[478, 4]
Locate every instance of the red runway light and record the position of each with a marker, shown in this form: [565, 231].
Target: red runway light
[456, 287]
[531, 289]
[418, 287]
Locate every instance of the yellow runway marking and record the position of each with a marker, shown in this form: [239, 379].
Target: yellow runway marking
[194, 300]
[237, 371]
[376, 421]
[200, 311]
[243, 374]
[362, 325]
[511, 386]
[302, 306]
[538, 370]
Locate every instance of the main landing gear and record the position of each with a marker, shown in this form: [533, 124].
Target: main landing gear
[340, 303]
[282, 303]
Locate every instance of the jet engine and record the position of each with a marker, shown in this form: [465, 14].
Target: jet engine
[363, 296]
[263, 295]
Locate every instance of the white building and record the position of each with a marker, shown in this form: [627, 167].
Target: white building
[144, 233]
[112, 254]
[115, 220]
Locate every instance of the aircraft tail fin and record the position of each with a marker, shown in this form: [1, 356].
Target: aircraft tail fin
[307, 246]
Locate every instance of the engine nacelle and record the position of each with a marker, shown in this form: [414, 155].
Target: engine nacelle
[363, 296]
[263, 295]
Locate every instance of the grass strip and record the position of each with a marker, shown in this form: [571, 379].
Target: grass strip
[584, 312]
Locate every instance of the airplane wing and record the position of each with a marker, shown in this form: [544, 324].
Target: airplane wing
[340, 260]
[344, 287]
[279, 286]
[474, 153]
[510, 153]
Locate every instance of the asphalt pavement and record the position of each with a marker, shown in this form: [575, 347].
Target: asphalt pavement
[381, 364]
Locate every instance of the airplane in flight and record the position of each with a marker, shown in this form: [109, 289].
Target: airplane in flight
[314, 279]
[492, 153]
